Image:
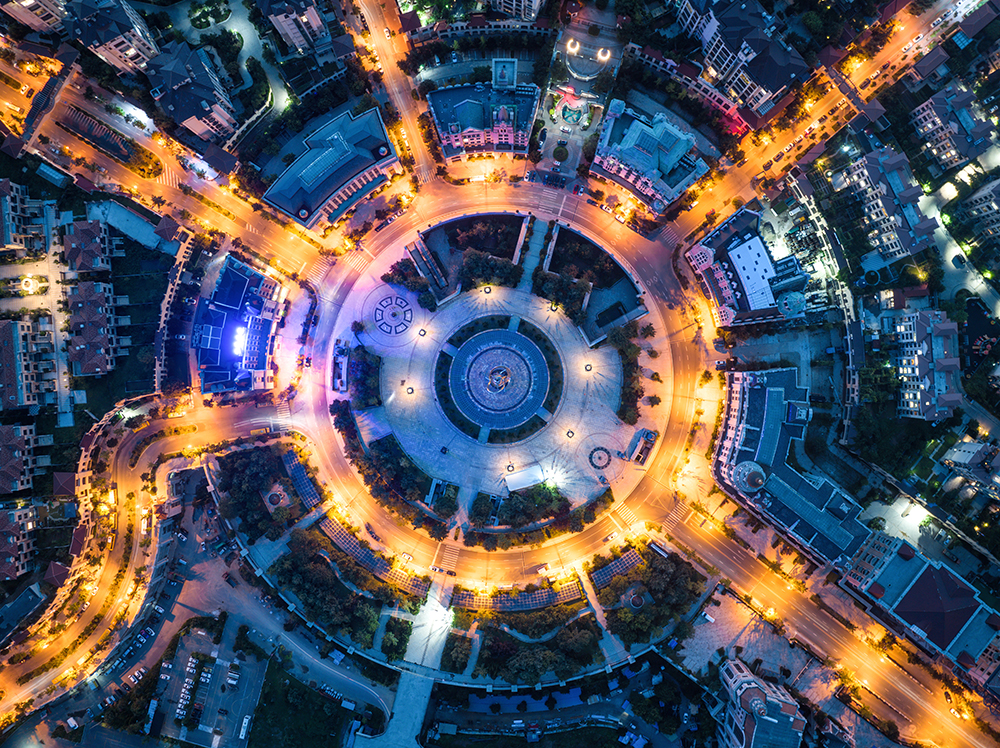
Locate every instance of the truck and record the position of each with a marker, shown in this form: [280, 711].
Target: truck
[229, 580]
[341, 358]
[645, 446]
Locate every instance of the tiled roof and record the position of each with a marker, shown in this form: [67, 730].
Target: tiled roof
[83, 245]
[939, 604]
[89, 346]
[10, 367]
[12, 453]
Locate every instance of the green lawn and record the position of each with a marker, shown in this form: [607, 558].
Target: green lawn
[291, 714]
[924, 468]
[592, 737]
[947, 443]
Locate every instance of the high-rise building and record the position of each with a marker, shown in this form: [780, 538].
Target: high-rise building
[759, 714]
[186, 85]
[526, 10]
[114, 31]
[300, 23]
[40, 15]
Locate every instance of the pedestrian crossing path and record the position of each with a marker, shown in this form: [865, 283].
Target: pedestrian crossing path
[627, 515]
[284, 411]
[319, 270]
[448, 556]
[678, 513]
[169, 177]
[357, 260]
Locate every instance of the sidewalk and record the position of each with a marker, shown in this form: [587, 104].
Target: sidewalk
[611, 647]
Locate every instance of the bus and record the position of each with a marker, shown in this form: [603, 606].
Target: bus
[111, 544]
[246, 727]
[260, 432]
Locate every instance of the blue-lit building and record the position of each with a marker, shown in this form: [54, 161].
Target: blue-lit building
[233, 330]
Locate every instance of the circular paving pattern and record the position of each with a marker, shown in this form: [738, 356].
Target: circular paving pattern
[498, 379]
[393, 315]
[600, 457]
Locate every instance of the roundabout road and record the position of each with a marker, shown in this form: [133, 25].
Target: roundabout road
[650, 262]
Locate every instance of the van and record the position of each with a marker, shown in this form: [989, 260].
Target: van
[564, 129]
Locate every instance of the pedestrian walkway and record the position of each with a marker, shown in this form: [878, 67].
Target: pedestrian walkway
[611, 647]
[531, 254]
[413, 694]
[679, 513]
[357, 260]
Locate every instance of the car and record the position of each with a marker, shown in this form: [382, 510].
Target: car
[437, 569]
[687, 718]
[609, 538]
[126, 687]
[164, 676]
[955, 712]
[224, 712]
[864, 84]
[842, 102]
[543, 135]
[371, 531]
[141, 638]
[557, 168]
[542, 569]
[203, 545]
[767, 165]
[24, 89]
[133, 679]
[564, 129]
[779, 157]
[799, 139]
[577, 189]
[180, 337]
[406, 556]
[720, 365]
[387, 34]
[887, 65]
[907, 47]
[917, 38]
[454, 56]
[562, 142]
[450, 573]
[947, 696]
[823, 119]
[958, 260]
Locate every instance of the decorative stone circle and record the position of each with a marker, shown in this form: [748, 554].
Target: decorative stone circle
[498, 379]
[600, 457]
[393, 315]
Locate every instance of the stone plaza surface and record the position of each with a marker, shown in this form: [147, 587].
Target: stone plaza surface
[571, 450]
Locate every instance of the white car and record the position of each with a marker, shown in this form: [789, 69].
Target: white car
[387, 34]
[907, 47]
[917, 38]
[406, 556]
[611, 537]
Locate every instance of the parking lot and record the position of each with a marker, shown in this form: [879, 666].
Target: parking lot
[208, 693]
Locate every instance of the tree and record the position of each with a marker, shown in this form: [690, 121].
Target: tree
[604, 82]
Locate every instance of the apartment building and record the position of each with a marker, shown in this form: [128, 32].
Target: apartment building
[759, 714]
[649, 156]
[485, 117]
[744, 56]
[27, 363]
[345, 161]
[94, 342]
[982, 209]
[187, 87]
[952, 127]
[85, 247]
[929, 603]
[888, 195]
[17, 540]
[25, 222]
[300, 23]
[17, 461]
[926, 361]
[39, 15]
[763, 413]
[114, 31]
[526, 10]
[746, 285]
